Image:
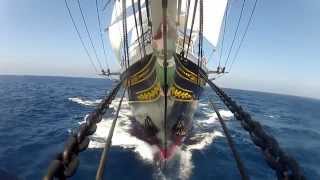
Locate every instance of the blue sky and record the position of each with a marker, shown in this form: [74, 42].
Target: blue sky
[280, 53]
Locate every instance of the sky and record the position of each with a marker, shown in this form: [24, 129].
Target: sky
[280, 53]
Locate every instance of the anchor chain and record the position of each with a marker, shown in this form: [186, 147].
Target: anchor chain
[285, 166]
[66, 162]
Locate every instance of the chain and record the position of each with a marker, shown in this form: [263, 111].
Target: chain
[285, 166]
[66, 162]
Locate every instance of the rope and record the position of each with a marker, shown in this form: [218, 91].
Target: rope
[192, 23]
[165, 64]
[200, 53]
[148, 13]
[125, 32]
[235, 33]
[102, 42]
[235, 153]
[136, 25]
[141, 24]
[65, 164]
[245, 33]
[126, 45]
[89, 35]
[105, 152]
[106, 5]
[80, 37]
[179, 12]
[224, 32]
[185, 26]
[285, 166]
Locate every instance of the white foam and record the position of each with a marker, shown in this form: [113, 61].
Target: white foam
[82, 101]
[225, 114]
[206, 139]
[122, 137]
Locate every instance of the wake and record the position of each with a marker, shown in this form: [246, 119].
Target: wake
[204, 134]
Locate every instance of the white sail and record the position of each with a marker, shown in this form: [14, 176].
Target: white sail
[213, 12]
[115, 28]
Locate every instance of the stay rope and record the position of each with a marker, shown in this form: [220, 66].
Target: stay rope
[65, 163]
[136, 25]
[101, 38]
[192, 23]
[142, 30]
[235, 33]
[185, 27]
[200, 44]
[244, 35]
[235, 153]
[108, 143]
[89, 35]
[80, 37]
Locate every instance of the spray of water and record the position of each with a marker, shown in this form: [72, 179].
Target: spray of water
[204, 135]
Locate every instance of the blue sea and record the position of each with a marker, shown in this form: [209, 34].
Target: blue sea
[37, 115]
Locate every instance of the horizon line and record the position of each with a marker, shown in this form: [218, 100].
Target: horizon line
[99, 77]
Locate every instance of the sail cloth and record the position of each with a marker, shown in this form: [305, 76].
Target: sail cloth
[213, 12]
[115, 29]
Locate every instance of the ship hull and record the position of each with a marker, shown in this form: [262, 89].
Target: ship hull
[145, 82]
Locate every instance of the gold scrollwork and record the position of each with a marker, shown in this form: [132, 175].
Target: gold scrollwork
[181, 94]
[149, 94]
[190, 77]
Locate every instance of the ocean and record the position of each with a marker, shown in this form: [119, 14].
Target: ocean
[37, 115]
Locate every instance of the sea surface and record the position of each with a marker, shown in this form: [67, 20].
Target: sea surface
[37, 114]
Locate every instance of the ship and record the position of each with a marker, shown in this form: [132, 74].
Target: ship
[161, 60]
[160, 47]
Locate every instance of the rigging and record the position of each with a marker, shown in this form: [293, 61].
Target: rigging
[105, 152]
[165, 66]
[185, 27]
[224, 32]
[80, 37]
[200, 53]
[89, 35]
[141, 24]
[148, 13]
[231, 144]
[136, 25]
[235, 33]
[192, 23]
[102, 42]
[244, 35]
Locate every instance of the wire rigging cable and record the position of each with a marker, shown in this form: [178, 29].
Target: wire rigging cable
[141, 24]
[200, 52]
[87, 30]
[185, 26]
[104, 155]
[192, 23]
[148, 13]
[235, 33]
[244, 35]
[235, 153]
[224, 32]
[106, 5]
[102, 42]
[125, 32]
[136, 25]
[80, 37]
